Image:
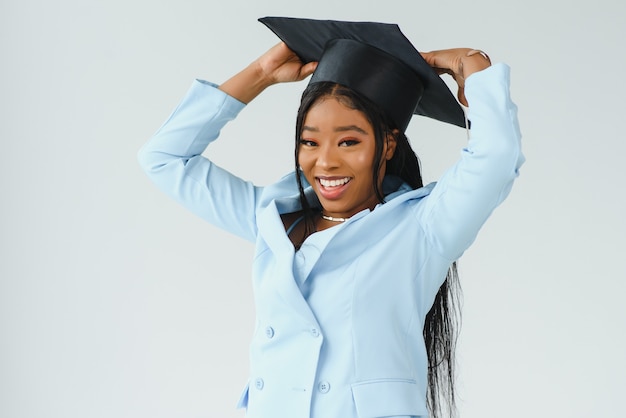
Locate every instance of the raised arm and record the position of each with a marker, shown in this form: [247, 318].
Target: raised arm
[172, 158]
[278, 65]
[469, 191]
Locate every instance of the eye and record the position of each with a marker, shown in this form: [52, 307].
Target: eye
[307, 142]
[349, 142]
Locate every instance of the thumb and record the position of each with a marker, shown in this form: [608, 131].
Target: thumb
[308, 69]
[461, 96]
[429, 57]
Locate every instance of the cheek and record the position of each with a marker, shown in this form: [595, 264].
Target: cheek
[304, 163]
[301, 161]
[364, 162]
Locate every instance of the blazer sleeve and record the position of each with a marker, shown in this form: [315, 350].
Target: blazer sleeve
[172, 159]
[470, 190]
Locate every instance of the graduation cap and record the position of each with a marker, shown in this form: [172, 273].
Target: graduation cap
[374, 59]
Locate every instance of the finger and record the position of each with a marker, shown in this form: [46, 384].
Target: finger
[429, 58]
[441, 71]
[461, 96]
[436, 59]
[447, 59]
[307, 69]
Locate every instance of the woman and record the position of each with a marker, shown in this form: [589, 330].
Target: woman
[353, 256]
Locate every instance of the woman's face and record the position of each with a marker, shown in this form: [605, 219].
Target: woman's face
[336, 155]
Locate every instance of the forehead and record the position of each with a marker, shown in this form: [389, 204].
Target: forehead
[330, 110]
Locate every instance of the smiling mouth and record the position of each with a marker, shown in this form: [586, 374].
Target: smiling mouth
[326, 183]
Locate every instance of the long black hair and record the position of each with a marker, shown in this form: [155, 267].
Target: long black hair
[442, 321]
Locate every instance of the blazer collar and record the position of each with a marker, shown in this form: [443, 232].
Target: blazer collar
[352, 241]
[347, 243]
[272, 233]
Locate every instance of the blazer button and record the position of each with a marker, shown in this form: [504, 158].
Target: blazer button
[258, 383]
[315, 332]
[323, 387]
[269, 332]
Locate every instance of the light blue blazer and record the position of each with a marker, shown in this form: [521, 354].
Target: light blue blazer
[349, 343]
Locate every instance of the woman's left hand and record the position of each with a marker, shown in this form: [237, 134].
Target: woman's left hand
[460, 63]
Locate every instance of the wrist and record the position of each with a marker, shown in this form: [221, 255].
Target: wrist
[259, 77]
[474, 61]
[247, 84]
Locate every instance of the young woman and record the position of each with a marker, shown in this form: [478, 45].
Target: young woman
[354, 260]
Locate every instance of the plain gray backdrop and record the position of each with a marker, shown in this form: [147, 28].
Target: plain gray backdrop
[116, 302]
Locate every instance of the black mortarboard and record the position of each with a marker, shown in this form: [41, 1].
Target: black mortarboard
[374, 59]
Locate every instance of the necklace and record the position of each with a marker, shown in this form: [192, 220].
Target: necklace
[333, 219]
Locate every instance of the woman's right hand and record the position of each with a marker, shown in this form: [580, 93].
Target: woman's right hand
[278, 65]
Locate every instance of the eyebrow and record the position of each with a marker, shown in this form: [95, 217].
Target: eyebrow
[337, 129]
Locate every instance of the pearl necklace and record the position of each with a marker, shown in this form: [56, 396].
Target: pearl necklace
[333, 219]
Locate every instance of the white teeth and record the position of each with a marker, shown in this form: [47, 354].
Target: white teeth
[334, 183]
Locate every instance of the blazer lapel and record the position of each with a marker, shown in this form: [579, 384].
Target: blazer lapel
[272, 231]
[351, 241]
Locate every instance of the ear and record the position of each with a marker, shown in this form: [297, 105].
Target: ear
[390, 144]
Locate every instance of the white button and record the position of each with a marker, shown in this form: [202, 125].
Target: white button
[258, 383]
[323, 387]
[269, 332]
[315, 332]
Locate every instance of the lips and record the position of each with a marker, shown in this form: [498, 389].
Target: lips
[332, 188]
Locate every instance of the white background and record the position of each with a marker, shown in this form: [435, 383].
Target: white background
[115, 302]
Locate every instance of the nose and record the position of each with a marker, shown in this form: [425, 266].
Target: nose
[327, 157]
